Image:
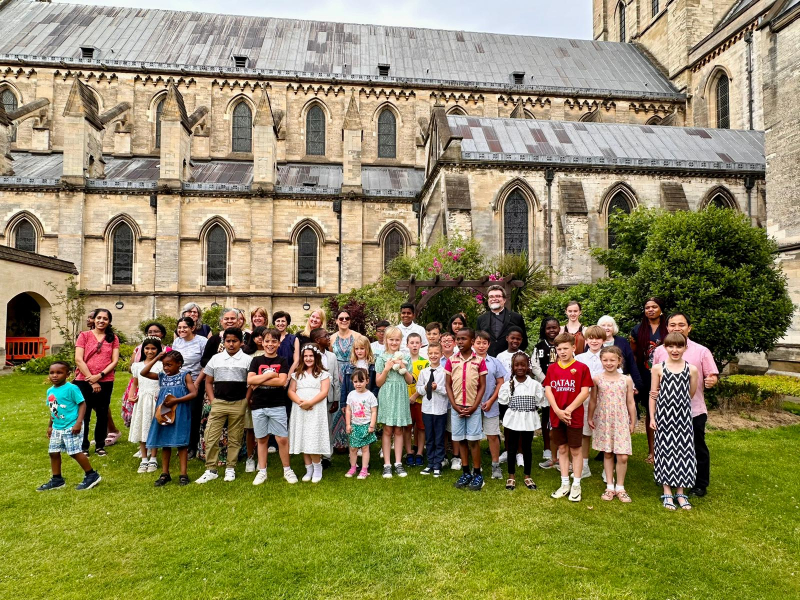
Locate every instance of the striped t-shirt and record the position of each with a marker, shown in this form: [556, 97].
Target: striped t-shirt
[230, 374]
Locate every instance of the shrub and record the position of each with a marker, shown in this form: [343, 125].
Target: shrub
[169, 323]
[741, 391]
[41, 366]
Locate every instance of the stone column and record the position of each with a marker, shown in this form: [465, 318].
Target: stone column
[83, 137]
[176, 142]
[5, 143]
[265, 147]
[351, 161]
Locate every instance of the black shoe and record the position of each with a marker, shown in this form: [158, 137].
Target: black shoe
[698, 491]
[326, 462]
[192, 454]
[183, 480]
[89, 481]
[54, 484]
[163, 480]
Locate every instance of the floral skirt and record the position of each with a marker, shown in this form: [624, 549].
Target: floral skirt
[361, 436]
[339, 437]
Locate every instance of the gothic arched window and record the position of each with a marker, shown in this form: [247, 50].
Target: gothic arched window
[216, 256]
[307, 258]
[723, 102]
[315, 131]
[9, 102]
[242, 131]
[25, 236]
[393, 246]
[387, 135]
[159, 110]
[618, 203]
[515, 224]
[654, 7]
[122, 255]
[621, 9]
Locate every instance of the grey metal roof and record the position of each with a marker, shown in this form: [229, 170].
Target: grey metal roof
[220, 175]
[288, 47]
[608, 145]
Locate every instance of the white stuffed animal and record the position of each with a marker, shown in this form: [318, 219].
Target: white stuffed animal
[400, 366]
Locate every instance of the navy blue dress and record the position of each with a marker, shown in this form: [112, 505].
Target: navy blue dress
[177, 434]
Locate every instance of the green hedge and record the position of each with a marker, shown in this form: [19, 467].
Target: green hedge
[41, 366]
[752, 390]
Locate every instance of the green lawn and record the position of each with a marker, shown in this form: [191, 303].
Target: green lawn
[404, 538]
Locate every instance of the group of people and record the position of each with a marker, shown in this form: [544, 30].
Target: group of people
[431, 394]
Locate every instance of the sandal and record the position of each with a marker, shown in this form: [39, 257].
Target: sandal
[529, 483]
[101, 452]
[608, 495]
[183, 480]
[650, 459]
[511, 484]
[112, 438]
[623, 497]
[668, 502]
[685, 505]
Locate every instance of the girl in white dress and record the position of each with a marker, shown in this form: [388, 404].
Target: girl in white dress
[308, 426]
[523, 395]
[143, 395]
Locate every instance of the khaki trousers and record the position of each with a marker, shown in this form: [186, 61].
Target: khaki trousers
[233, 412]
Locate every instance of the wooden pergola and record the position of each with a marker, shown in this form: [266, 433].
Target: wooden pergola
[436, 285]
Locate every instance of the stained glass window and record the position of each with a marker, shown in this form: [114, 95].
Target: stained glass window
[315, 132]
[723, 106]
[307, 258]
[393, 246]
[621, 9]
[515, 224]
[242, 128]
[217, 256]
[122, 255]
[159, 110]
[9, 102]
[719, 201]
[618, 203]
[25, 236]
[387, 135]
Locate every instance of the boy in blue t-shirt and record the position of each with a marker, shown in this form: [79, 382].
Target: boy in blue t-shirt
[65, 430]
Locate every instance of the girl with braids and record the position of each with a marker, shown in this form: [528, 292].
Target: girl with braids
[523, 395]
[645, 338]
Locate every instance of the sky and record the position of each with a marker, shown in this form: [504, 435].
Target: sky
[562, 18]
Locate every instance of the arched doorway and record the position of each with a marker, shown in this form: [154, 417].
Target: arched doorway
[27, 326]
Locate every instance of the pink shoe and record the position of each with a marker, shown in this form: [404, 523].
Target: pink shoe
[352, 471]
[363, 474]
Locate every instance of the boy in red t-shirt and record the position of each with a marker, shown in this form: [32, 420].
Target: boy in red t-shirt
[567, 386]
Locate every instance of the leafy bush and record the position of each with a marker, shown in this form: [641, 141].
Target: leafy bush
[741, 391]
[211, 317]
[41, 366]
[170, 324]
[783, 385]
[125, 356]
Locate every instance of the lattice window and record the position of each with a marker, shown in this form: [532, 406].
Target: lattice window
[25, 236]
[159, 110]
[315, 131]
[515, 224]
[723, 102]
[393, 246]
[621, 9]
[387, 135]
[619, 203]
[122, 255]
[654, 7]
[242, 132]
[9, 102]
[216, 256]
[719, 201]
[307, 258]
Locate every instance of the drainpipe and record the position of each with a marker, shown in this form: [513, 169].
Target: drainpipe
[549, 175]
[749, 184]
[748, 38]
[337, 208]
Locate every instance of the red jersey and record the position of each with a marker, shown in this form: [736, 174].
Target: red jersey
[566, 384]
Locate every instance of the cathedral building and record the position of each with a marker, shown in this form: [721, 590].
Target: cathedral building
[180, 156]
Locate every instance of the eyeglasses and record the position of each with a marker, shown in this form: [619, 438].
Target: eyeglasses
[344, 318]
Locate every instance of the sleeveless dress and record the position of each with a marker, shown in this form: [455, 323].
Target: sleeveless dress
[177, 434]
[612, 431]
[145, 406]
[308, 429]
[339, 438]
[394, 409]
[675, 461]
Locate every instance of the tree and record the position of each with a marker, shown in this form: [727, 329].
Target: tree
[71, 318]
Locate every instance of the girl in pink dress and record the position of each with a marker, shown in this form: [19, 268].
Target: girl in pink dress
[612, 416]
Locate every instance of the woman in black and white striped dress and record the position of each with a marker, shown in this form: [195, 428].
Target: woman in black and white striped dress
[674, 381]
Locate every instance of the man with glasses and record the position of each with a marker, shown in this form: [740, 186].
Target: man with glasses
[498, 320]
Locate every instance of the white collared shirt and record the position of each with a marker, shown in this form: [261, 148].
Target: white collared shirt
[413, 328]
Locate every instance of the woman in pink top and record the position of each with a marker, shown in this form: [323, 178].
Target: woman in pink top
[96, 357]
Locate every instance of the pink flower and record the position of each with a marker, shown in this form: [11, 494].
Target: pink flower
[424, 292]
[479, 298]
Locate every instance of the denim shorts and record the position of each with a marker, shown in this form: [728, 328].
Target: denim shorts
[270, 421]
[62, 440]
[467, 428]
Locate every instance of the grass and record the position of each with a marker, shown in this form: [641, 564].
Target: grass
[410, 538]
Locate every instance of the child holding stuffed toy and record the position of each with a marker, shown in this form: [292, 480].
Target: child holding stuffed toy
[394, 411]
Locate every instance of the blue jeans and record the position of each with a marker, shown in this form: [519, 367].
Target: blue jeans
[435, 426]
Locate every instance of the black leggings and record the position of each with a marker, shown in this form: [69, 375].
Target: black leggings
[99, 403]
[512, 438]
[196, 407]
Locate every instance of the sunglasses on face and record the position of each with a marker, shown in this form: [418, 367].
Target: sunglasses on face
[344, 318]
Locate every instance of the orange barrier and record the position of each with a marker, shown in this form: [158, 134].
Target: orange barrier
[26, 348]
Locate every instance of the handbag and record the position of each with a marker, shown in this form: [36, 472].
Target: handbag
[165, 415]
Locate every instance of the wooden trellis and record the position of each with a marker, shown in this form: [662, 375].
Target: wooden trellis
[434, 286]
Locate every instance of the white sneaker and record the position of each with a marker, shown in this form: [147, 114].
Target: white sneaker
[561, 492]
[261, 477]
[307, 476]
[586, 472]
[137, 454]
[271, 450]
[290, 476]
[250, 466]
[575, 493]
[207, 476]
[152, 465]
[230, 475]
[380, 454]
[143, 466]
[445, 464]
[456, 464]
[503, 457]
[520, 460]
[317, 477]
